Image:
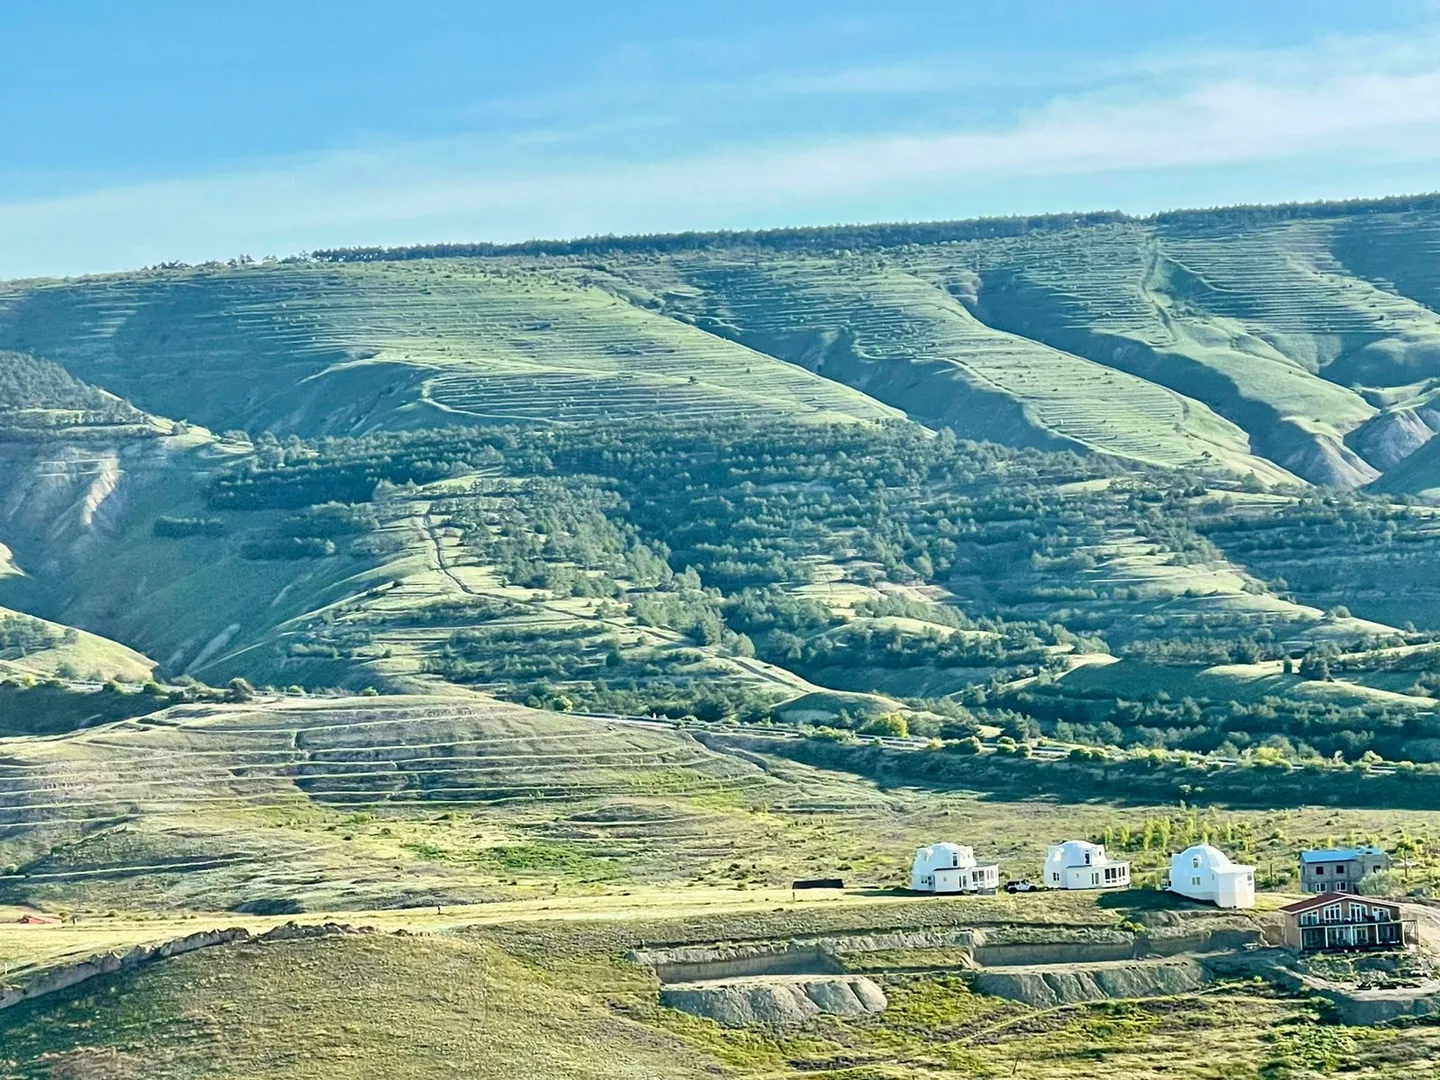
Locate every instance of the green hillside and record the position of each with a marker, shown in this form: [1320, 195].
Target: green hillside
[557, 1001]
[272, 808]
[959, 467]
[317, 349]
[36, 648]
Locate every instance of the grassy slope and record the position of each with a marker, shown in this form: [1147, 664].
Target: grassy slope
[210, 807]
[343, 349]
[1265, 325]
[555, 999]
[354, 1007]
[870, 322]
[89, 656]
[588, 839]
[1282, 347]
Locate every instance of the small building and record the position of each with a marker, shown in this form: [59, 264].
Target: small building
[1339, 869]
[952, 868]
[1079, 864]
[1206, 873]
[1336, 920]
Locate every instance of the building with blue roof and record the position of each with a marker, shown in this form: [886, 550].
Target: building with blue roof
[1340, 869]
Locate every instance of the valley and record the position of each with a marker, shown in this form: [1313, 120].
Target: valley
[549, 611]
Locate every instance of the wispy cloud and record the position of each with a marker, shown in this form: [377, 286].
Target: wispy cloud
[1371, 100]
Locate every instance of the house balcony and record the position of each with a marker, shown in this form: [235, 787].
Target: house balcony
[1337, 936]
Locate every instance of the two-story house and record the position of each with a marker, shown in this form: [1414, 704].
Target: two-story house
[1079, 864]
[1203, 872]
[1339, 869]
[952, 868]
[1345, 921]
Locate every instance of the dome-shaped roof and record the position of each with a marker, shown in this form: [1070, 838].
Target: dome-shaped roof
[947, 848]
[1073, 852]
[1208, 854]
[945, 855]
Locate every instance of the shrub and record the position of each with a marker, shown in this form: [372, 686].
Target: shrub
[890, 723]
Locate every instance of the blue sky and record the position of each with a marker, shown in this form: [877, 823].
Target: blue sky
[151, 130]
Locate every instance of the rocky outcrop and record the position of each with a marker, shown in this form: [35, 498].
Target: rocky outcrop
[812, 956]
[1048, 988]
[1368, 1008]
[776, 1002]
[62, 978]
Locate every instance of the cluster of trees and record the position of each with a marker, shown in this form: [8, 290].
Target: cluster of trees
[893, 647]
[21, 635]
[677, 699]
[1337, 549]
[1293, 728]
[708, 527]
[515, 654]
[1247, 648]
[817, 239]
[871, 237]
[27, 382]
[559, 534]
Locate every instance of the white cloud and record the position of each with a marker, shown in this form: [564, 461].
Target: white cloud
[1376, 100]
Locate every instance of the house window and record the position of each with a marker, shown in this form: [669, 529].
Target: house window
[1342, 886]
[1056, 877]
[1195, 862]
[1194, 881]
[1340, 870]
[1332, 912]
[1319, 871]
[1382, 914]
[1357, 911]
[1310, 918]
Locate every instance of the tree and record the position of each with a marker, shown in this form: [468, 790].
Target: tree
[890, 723]
[240, 690]
[1380, 883]
[1315, 665]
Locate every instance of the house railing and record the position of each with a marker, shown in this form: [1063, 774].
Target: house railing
[1361, 934]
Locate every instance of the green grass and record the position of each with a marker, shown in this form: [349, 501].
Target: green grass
[355, 1007]
[1288, 347]
[404, 346]
[499, 1002]
[73, 654]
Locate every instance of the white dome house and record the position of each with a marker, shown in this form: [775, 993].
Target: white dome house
[1203, 872]
[1079, 864]
[951, 868]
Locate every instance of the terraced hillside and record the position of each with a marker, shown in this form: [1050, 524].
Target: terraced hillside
[213, 806]
[909, 342]
[320, 349]
[674, 476]
[1299, 342]
[1161, 341]
[724, 569]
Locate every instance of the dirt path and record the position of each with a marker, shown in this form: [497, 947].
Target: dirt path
[1427, 924]
[438, 550]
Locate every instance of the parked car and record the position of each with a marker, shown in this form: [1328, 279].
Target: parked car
[1022, 885]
